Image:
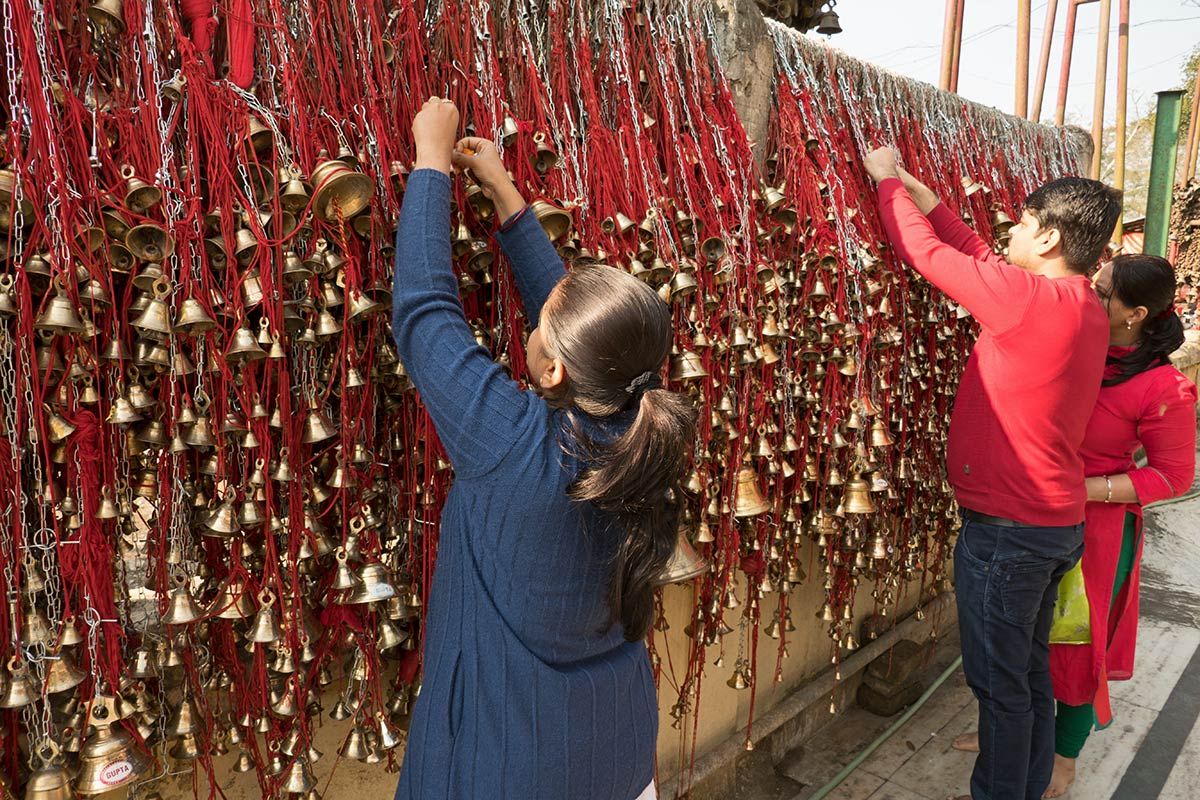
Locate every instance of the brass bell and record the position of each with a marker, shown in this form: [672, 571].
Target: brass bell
[108, 761]
[63, 674]
[317, 427]
[878, 548]
[1001, 222]
[683, 285]
[19, 691]
[857, 496]
[223, 520]
[339, 190]
[880, 437]
[60, 315]
[356, 745]
[260, 135]
[244, 347]
[545, 158]
[186, 748]
[555, 221]
[149, 242]
[748, 498]
[245, 246]
[372, 584]
[737, 680]
[107, 15]
[139, 195]
[265, 629]
[156, 318]
[173, 89]
[687, 366]
[361, 305]
[50, 781]
[300, 779]
[773, 198]
[193, 318]
[144, 664]
[184, 720]
[232, 602]
[182, 608]
[685, 563]
[509, 131]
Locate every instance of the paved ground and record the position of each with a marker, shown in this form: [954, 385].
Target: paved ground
[1152, 750]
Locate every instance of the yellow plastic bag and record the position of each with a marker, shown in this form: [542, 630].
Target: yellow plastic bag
[1072, 613]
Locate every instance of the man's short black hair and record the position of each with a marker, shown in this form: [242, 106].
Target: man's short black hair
[1085, 214]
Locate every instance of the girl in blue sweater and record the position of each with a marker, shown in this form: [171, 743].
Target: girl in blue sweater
[537, 683]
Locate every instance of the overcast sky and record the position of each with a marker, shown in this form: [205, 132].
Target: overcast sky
[905, 37]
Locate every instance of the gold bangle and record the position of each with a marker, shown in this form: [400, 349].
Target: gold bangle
[1108, 483]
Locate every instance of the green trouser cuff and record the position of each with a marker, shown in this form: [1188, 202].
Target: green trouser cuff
[1072, 724]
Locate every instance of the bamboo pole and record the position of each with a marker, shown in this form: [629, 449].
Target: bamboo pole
[1193, 140]
[1024, 10]
[947, 44]
[958, 33]
[1101, 81]
[1039, 91]
[1064, 75]
[1122, 105]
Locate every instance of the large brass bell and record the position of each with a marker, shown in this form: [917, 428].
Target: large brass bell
[340, 190]
[748, 498]
[555, 221]
[857, 496]
[685, 563]
[63, 674]
[687, 366]
[233, 601]
[372, 585]
[51, 780]
[108, 761]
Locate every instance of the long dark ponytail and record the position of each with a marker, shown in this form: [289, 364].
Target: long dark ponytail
[613, 334]
[1145, 280]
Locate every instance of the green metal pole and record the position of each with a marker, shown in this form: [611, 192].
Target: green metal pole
[1162, 172]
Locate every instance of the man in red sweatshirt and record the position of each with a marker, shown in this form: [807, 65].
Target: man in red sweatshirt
[1019, 418]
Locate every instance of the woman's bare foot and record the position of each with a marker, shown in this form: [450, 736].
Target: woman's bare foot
[1063, 777]
[968, 742]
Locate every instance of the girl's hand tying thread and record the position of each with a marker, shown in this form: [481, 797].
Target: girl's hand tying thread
[482, 159]
[434, 130]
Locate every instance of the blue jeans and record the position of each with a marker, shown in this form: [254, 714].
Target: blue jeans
[1006, 582]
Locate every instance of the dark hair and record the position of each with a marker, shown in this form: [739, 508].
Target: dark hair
[613, 334]
[1144, 280]
[1084, 212]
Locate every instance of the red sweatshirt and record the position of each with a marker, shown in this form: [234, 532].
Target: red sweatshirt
[1033, 376]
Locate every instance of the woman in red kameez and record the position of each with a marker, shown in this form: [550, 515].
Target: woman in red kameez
[1145, 402]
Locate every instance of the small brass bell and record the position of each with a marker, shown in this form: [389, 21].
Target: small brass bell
[372, 585]
[356, 745]
[737, 680]
[317, 427]
[149, 242]
[265, 629]
[509, 131]
[748, 498]
[244, 762]
[63, 674]
[184, 720]
[19, 691]
[299, 779]
[687, 365]
[545, 158]
[244, 347]
[182, 608]
[139, 195]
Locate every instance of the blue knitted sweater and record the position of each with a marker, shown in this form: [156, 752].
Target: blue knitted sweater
[530, 690]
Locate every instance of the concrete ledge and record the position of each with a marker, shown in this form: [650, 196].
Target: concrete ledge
[795, 718]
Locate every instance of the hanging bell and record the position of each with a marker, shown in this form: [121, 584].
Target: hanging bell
[555, 221]
[880, 437]
[879, 548]
[223, 520]
[59, 316]
[828, 24]
[737, 680]
[748, 498]
[233, 601]
[300, 779]
[356, 745]
[545, 158]
[19, 690]
[50, 781]
[182, 608]
[149, 242]
[244, 347]
[107, 15]
[186, 748]
[687, 365]
[63, 674]
[685, 563]
[317, 427]
[340, 191]
[372, 584]
[108, 761]
[184, 720]
[265, 629]
[857, 496]
[509, 131]
[139, 195]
